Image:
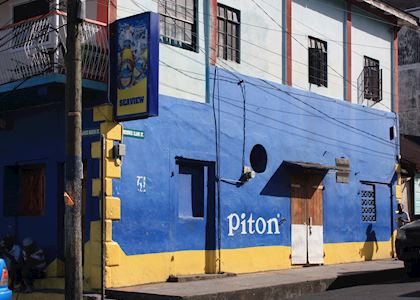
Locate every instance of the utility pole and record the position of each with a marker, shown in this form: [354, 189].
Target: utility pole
[74, 166]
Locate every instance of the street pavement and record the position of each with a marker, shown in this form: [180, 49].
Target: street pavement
[405, 289]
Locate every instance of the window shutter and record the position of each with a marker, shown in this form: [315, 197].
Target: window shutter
[374, 80]
[366, 83]
[380, 85]
[314, 66]
[324, 69]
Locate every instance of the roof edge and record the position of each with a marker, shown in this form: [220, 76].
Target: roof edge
[404, 18]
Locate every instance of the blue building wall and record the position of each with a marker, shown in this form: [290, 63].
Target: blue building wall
[38, 136]
[292, 125]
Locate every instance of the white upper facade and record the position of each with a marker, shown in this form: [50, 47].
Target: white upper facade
[277, 41]
[263, 46]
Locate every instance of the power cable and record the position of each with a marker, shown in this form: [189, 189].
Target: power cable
[296, 98]
[324, 139]
[329, 66]
[338, 102]
[304, 88]
[267, 28]
[226, 79]
[335, 119]
[336, 74]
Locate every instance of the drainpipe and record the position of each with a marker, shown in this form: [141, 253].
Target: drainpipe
[102, 210]
[206, 16]
[392, 75]
[392, 220]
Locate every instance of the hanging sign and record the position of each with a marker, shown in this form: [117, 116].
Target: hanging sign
[135, 66]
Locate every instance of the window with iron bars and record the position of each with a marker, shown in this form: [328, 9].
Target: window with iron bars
[228, 33]
[369, 83]
[368, 202]
[178, 23]
[318, 62]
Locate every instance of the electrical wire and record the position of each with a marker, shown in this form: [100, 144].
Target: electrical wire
[324, 138]
[335, 74]
[331, 68]
[273, 29]
[338, 102]
[217, 167]
[242, 86]
[321, 138]
[335, 119]
[386, 142]
[312, 107]
[184, 72]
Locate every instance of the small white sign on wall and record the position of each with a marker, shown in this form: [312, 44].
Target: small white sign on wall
[141, 184]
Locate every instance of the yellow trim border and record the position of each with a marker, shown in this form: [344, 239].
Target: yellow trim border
[157, 267]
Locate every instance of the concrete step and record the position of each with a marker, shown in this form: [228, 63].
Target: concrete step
[188, 278]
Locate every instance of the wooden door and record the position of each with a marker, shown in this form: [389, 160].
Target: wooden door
[307, 223]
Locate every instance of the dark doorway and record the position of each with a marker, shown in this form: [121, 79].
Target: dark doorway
[30, 9]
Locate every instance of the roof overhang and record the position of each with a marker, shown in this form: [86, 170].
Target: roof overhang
[387, 11]
[308, 166]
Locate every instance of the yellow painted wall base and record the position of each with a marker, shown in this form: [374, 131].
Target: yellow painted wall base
[148, 268]
[256, 259]
[356, 252]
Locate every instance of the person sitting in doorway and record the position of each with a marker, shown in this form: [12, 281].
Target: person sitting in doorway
[12, 254]
[402, 216]
[34, 264]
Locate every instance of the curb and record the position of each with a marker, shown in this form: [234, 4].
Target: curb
[281, 291]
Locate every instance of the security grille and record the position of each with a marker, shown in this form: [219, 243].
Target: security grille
[369, 82]
[368, 202]
[318, 62]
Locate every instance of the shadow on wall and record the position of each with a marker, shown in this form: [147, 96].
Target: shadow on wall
[370, 245]
[279, 183]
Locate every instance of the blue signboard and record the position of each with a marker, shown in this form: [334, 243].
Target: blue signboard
[135, 67]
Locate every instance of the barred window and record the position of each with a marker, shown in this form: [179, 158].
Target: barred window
[372, 79]
[318, 62]
[228, 33]
[368, 203]
[178, 23]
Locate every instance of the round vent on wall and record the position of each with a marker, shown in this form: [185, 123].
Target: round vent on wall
[258, 158]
